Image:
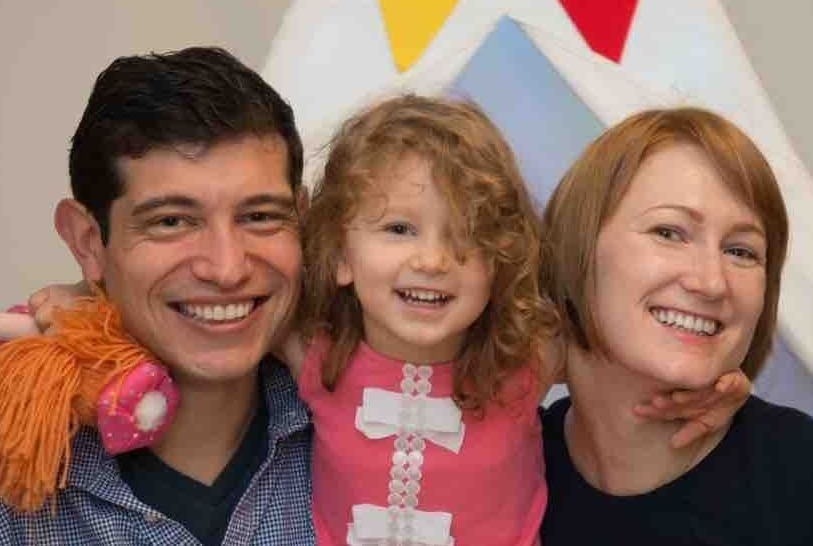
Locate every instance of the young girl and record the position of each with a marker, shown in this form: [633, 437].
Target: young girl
[423, 323]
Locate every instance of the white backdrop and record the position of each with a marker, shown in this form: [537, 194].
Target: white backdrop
[50, 53]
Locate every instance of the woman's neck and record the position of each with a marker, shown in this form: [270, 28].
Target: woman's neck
[613, 449]
[208, 427]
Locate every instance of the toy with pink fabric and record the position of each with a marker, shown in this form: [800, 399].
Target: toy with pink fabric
[89, 372]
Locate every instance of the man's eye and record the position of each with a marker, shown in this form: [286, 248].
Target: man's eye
[168, 225]
[170, 222]
[259, 216]
[265, 220]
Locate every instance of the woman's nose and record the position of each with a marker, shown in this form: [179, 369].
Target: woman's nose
[706, 275]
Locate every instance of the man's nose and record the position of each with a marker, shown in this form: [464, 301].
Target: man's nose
[222, 258]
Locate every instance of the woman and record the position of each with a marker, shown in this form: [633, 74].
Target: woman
[668, 237]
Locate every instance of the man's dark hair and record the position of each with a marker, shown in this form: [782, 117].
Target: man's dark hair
[199, 95]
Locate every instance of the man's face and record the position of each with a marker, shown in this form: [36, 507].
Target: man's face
[204, 255]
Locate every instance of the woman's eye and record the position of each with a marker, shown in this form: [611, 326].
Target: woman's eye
[743, 254]
[668, 233]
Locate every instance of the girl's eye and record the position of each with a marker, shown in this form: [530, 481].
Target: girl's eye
[399, 228]
[668, 233]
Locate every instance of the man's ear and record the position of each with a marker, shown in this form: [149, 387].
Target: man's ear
[80, 231]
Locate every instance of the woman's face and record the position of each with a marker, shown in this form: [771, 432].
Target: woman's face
[680, 272]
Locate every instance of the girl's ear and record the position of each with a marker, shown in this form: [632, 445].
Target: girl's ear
[82, 234]
[302, 200]
[344, 273]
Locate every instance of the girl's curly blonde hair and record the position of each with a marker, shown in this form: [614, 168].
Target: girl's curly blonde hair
[490, 207]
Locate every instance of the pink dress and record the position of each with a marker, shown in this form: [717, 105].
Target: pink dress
[395, 461]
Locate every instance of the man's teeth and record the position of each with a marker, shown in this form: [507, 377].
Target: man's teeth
[424, 296]
[686, 321]
[216, 313]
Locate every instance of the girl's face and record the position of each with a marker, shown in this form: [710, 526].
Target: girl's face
[417, 299]
[680, 272]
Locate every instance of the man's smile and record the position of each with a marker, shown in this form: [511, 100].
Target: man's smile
[219, 312]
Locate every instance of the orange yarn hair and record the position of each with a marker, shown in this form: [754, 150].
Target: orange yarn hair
[49, 387]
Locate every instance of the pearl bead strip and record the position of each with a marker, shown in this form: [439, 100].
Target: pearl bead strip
[408, 455]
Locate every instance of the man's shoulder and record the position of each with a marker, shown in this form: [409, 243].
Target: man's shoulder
[281, 395]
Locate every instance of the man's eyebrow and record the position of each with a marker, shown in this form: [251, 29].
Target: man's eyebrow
[281, 201]
[164, 201]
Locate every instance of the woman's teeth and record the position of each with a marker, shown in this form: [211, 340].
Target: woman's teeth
[686, 321]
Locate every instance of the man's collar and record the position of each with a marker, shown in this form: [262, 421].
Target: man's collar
[286, 411]
[93, 470]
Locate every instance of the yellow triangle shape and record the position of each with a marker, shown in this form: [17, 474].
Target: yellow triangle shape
[411, 25]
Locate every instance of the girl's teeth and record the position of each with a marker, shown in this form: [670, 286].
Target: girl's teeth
[425, 296]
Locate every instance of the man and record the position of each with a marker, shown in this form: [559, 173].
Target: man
[186, 172]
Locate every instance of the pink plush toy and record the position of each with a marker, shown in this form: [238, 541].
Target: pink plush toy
[132, 411]
[135, 411]
[87, 372]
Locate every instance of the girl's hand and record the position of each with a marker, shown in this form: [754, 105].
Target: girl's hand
[17, 323]
[705, 411]
[43, 302]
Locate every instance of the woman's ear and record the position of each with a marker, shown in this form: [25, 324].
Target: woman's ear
[80, 231]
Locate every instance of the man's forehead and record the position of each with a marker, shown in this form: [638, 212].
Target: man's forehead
[225, 170]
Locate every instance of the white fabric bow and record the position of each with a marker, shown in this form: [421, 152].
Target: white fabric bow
[378, 417]
[371, 526]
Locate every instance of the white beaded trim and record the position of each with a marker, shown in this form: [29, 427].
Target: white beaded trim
[408, 454]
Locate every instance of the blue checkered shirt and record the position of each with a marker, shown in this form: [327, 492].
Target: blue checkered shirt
[97, 507]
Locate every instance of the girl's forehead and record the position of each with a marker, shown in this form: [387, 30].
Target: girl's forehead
[409, 179]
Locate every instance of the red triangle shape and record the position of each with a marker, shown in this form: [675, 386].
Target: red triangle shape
[604, 24]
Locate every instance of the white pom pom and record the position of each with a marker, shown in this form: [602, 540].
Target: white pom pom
[150, 411]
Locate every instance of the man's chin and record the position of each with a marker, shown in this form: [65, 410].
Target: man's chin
[213, 365]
